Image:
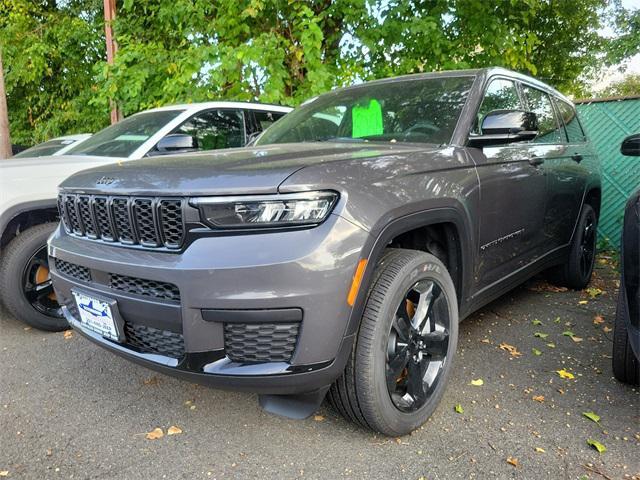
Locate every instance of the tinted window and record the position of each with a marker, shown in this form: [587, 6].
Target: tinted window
[571, 123]
[215, 129]
[265, 119]
[423, 110]
[501, 94]
[124, 138]
[548, 126]
[44, 149]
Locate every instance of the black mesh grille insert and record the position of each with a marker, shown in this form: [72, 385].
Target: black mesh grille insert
[149, 222]
[145, 222]
[84, 208]
[101, 210]
[260, 342]
[141, 286]
[171, 220]
[72, 270]
[153, 340]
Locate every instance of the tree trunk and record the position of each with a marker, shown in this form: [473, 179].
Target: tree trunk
[5, 139]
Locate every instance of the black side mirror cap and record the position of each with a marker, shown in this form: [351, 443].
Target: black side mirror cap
[631, 146]
[500, 127]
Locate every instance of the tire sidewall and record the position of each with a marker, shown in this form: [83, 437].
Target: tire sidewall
[575, 277]
[15, 256]
[423, 267]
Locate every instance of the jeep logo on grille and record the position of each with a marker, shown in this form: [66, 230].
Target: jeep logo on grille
[105, 181]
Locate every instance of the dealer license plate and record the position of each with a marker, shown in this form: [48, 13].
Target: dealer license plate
[96, 315]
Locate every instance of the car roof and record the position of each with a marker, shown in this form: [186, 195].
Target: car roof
[222, 104]
[476, 72]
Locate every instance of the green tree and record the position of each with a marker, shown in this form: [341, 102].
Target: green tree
[629, 86]
[50, 49]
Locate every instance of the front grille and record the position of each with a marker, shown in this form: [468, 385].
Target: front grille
[141, 286]
[152, 340]
[72, 270]
[260, 342]
[147, 221]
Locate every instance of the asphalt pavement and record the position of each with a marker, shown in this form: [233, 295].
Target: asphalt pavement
[69, 409]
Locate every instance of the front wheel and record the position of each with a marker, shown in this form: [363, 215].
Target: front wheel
[626, 366]
[403, 355]
[25, 284]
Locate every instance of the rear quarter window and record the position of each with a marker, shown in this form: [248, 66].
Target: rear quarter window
[572, 126]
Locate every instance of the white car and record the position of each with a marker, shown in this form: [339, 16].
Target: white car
[28, 187]
[54, 147]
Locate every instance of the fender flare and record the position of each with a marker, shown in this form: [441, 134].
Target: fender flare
[15, 210]
[376, 244]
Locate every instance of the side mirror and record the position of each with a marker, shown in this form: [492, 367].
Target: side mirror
[177, 142]
[631, 146]
[500, 127]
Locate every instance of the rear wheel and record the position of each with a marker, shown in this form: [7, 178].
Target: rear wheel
[403, 354]
[25, 284]
[626, 367]
[576, 272]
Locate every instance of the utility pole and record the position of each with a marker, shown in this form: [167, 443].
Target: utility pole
[5, 139]
[112, 47]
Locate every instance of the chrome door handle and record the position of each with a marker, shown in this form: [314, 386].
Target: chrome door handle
[535, 161]
[577, 157]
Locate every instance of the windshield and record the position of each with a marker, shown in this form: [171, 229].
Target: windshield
[45, 149]
[423, 110]
[124, 138]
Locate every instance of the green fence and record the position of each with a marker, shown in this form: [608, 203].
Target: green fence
[607, 122]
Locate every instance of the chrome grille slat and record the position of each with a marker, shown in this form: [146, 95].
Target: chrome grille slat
[146, 221]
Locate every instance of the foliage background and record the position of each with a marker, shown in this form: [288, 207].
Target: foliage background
[282, 51]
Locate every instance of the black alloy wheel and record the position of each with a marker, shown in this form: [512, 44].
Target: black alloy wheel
[37, 286]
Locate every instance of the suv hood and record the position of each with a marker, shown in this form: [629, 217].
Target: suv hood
[224, 172]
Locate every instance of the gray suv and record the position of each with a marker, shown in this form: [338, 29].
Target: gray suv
[337, 255]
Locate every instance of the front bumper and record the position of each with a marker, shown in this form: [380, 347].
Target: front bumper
[288, 282]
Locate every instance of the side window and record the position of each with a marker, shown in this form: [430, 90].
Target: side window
[548, 125]
[571, 123]
[265, 119]
[214, 129]
[501, 94]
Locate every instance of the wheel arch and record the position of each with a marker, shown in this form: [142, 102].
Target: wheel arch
[22, 216]
[458, 235]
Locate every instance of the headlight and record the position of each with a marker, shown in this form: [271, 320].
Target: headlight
[260, 211]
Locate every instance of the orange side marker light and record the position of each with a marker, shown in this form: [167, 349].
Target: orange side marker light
[355, 283]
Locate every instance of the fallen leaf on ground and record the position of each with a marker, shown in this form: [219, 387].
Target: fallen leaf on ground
[485, 340]
[557, 320]
[512, 461]
[593, 292]
[477, 383]
[606, 329]
[4, 473]
[154, 434]
[591, 416]
[539, 450]
[458, 408]
[539, 398]
[318, 418]
[547, 287]
[576, 339]
[564, 374]
[597, 445]
[536, 351]
[551, 345]
[151, 381]
[536, 322]
[513, 351]
[598, 319]
[568, 333]
[583, 302]
[68, 334]
[541, 335]
[173, 430]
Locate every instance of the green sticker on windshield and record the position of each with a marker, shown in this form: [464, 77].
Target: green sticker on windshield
[367, 119]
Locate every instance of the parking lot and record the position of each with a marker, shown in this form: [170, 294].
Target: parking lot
[69, 409]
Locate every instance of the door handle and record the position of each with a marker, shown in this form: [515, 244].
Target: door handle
[576, 157]
[535, 161]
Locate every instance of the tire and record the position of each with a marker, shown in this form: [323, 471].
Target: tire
[576, 272]
[370, 392]
[626, 367]
[25, 251]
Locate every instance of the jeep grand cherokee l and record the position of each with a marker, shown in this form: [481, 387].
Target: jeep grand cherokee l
[337, 255]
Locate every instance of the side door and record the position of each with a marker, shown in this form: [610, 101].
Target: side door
[513, 191]
[567, 176]
[209, 130]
